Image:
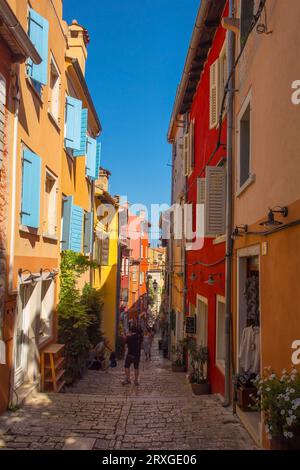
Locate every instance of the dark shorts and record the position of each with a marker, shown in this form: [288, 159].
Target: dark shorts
[135, 360]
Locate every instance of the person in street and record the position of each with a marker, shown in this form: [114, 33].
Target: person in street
[147, 343]
[133, 341]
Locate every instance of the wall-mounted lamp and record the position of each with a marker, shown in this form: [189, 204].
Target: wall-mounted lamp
[239, 231]
[52, 274]
[211, 281]
[30, 278]
[271, 222]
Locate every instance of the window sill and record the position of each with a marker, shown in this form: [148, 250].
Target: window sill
[219, 240]
[31, 86]
[30, 230]
[50, 237]
[54, 121]
[247, 183]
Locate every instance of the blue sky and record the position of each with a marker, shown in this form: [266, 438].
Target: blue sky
[136, 57]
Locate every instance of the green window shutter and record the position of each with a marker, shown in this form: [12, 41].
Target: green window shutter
[38, 31]
[31, 189]
[73, 123]
[84, 128]
[88, 232]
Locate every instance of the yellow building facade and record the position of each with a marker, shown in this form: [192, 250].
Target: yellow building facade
[106, 255]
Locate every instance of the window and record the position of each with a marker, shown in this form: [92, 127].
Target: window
[218, 80]
[126, 267]
[247, 13]
[142, 277]
[50, 218]
[202, 319]
[223, 76]
[2, 116]
[55, 85]
[220, 347]
[142, 252]
[134, 273]
[105, 250]
[244, 143]
[47, 308]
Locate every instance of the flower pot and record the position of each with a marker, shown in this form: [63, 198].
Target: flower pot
[245, 401]
[281, 443]
[201, 389]
[178, 368]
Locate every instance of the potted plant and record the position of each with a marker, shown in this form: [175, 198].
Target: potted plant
[179, 363]
[198, 377]
[279, 399]
[245, 391]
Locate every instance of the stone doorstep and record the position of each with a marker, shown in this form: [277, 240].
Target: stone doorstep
[23, 393]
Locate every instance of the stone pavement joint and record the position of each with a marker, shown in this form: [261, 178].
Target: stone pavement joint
[99, 413]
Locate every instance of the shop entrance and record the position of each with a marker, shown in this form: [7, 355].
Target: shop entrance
[248, 338]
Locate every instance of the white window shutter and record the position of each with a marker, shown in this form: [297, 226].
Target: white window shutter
[192, 145]
[186, 153]
[214, 94]
[215, 201]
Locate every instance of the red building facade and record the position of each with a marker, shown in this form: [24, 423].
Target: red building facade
[205, 267]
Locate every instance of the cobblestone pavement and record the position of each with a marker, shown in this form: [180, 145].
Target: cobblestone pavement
[99, 413]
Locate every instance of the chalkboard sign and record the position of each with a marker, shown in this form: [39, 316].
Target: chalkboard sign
[190, 325]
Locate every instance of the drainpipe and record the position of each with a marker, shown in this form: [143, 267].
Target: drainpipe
[118, 294]
[229, 211]
[16, 99]
[93, 237]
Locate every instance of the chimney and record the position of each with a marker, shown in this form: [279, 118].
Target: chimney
[78, 39]
[102, 181]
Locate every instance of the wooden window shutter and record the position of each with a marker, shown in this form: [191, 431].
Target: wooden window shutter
[192, 145]
[31, 189]
[73, 123]
[38, 31]
[83, 133]
[88, 232]
[2, 116]
[186, 153]
[214, 94]
[215, 201]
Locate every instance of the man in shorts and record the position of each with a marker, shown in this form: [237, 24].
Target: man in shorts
[134, 342]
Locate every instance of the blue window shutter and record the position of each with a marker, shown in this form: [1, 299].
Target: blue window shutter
[31, 189]
[84, 127]
[39, 33]
[76, 229]
[73, 123]
[88, 233]
[98, 159]
[91, 157]
[66, 226]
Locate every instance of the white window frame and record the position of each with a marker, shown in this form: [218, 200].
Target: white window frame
[240, 188]
[46, 232]
[220, 363]
[55, 116]
[204, 300]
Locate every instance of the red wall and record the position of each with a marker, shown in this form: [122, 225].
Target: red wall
[205, 143]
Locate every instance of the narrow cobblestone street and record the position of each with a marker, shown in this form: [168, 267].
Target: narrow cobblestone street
[99, 413]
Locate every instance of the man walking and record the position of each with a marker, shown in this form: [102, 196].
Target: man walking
[134, 342]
